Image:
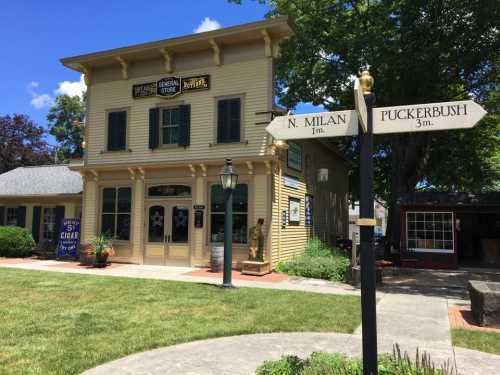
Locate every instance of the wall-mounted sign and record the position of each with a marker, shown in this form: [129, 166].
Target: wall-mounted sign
[308, 202]
[291, 182]
[69, 238]
[284, 219]
[199, 206]
[169, 87]
[294, 211]
[198, 218]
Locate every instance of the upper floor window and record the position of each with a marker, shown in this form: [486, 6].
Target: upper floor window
[116, 208]
[294, 156]
[170, 120]
[228, 120]
[117, 130]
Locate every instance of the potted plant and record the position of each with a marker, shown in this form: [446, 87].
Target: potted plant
[102, 248]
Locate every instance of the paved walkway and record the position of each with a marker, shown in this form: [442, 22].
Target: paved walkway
[414, 316]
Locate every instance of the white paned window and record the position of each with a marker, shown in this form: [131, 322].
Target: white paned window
[430, 232]
[11, 216]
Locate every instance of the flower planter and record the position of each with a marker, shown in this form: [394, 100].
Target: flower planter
[86, 259]
[101, 260]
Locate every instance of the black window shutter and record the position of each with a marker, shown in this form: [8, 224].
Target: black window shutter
[35, 228]
[59, 219]
[21, 216]
[222, 121]
[185, 125]
[235, 119]
[117, 131]
[154, 127]
[2, 215]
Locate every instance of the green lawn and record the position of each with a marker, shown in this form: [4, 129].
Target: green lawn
[56, 323]
[477, 340]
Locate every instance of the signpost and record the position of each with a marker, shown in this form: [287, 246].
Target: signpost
[400, 119]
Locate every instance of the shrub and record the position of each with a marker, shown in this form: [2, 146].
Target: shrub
[336, 364]
[318, 261]
[15, 242]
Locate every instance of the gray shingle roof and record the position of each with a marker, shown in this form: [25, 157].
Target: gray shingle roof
[42, 180]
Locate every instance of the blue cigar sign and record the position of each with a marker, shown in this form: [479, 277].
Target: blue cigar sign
[69, 238]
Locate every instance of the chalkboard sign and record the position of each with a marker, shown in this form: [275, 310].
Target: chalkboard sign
[69, 238]
[198, 218]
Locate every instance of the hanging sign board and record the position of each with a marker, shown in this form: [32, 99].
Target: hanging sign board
[170, 87]
[291, 182]
[69, 239]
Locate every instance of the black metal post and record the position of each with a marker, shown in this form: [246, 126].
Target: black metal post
[228, 239]
[368, 271]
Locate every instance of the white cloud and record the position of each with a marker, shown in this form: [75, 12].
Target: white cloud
[42, 101]
[71, 88]
[207, 24]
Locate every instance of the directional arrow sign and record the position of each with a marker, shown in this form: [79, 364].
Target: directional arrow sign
[427, 117]
[359, 101]
[314, 125]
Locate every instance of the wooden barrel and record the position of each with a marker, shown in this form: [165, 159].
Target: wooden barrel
[217, 258]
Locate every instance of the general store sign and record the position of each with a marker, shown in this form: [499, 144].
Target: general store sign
[400, 119]
[170, 87]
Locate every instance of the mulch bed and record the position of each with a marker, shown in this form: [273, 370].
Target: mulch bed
[461, 318]
[272, 277]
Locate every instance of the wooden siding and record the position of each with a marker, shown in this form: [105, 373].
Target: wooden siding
[330, 210]
[248, 79]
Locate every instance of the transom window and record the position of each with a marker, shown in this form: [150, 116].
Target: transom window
[116, 207]
[11, 216]
[240, 213]
[170, 120]
[169, 191]
[430, 231]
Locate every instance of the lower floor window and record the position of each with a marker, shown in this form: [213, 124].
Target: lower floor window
[11, 216]
[431, 231]
[116, 208]
[240, 213]
[49, 231]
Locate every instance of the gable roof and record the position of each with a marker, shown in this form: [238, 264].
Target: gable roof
[47, 180]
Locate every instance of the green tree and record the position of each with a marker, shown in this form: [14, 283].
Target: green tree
[419, 51]
[65, 120]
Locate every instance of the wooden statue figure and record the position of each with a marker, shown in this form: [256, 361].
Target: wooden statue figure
[256, 242]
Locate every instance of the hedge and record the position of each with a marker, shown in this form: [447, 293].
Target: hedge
[15, 242]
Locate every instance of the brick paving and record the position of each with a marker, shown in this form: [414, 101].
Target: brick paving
[17, 260]
[79, 266]
[461, 317]
[272, 277]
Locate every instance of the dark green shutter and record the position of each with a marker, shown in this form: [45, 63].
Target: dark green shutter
[154, 128]
[235, 119]
[37, 218]
[117, 131]
[2, 215]
[222, 121]
[21, 216]
[59, 219]
[185, 125]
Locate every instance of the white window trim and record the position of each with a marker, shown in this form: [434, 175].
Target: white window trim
[116, 187]
[425, 250]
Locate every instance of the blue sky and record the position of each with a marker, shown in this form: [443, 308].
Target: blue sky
[36, 34]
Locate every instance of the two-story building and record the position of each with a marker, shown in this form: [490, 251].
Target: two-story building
[161, 119]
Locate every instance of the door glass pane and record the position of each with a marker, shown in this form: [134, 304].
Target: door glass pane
[156, 224]
[180, 227]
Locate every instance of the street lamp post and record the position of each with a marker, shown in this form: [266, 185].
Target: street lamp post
[228, 179]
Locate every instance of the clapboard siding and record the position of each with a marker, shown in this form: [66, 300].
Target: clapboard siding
[246, 78]
[330, 218]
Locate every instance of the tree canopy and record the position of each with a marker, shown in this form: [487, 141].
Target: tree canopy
[65, 122]
[22, 143]
[419, 51]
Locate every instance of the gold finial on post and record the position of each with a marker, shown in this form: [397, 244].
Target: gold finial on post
[366, 82]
